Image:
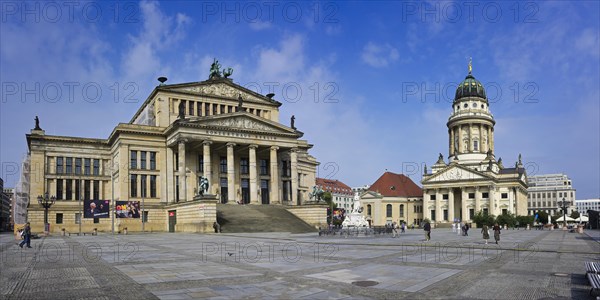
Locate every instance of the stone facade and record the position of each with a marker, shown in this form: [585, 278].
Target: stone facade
[472, 180]
[546, 192]
[214, 129]
[393, 198]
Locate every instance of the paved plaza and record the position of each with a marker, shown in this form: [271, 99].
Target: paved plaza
[525, 265]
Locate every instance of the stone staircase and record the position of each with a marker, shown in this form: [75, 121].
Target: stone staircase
[235, 218]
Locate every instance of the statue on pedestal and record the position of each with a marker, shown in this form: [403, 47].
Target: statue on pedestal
[292, 121]
[202, 186]
[317, 193]
[37, 123]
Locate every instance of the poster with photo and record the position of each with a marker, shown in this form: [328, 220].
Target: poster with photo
[96, 208]
[128, 209]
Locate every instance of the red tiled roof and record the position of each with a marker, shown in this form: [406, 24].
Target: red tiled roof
[396, 185]
[333, 186]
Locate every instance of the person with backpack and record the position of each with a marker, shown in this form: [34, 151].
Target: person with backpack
[26, 236]
[427, 228]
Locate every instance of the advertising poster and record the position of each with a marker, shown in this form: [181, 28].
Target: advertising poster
[96, 208]
[128, 209]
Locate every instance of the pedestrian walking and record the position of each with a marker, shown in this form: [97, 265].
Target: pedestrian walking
[486, 233]
[403, 227]
[496, 229]
[466, 229]
[394, 230]
[26, 236]
[427, 228]
[458, 229]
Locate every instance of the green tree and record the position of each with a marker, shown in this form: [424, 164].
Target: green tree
[575, 214]
[482, 218]
[524, 220]
[542, 217]
[508, 219]
[331, 206]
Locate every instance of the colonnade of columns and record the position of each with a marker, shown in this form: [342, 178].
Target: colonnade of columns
[275, 192]
[492, 201]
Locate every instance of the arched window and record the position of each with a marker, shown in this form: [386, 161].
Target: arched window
[388, 210]
[401, 210]
[476, 145]
[368, 209]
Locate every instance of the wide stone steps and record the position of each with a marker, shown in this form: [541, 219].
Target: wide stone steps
[235, 218]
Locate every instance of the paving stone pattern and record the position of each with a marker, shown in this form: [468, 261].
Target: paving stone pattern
[525, 265]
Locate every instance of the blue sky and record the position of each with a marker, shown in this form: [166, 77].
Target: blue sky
[370, 83]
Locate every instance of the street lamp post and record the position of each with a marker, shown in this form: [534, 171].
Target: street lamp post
[563, 205]
[46, 202]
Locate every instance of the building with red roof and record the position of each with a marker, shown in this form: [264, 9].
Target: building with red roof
[341, 194]
[393, 198]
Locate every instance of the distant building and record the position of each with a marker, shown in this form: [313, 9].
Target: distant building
[393, 198]
[341, 194]
[4, 208]
[361, 189]
[10, 193]
[545, 192]
[589, 204]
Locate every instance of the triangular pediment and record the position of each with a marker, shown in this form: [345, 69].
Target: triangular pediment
[370, 195]
[221, 88]
[455, 173]
[240, 122]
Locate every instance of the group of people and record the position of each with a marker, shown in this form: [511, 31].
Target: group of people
[485, 230]
[397, 229]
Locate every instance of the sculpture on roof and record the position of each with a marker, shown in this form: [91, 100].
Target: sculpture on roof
[215, 69]
[227, 73]
[292, 121]
[240, 101]
[37, 123]
[181, 110]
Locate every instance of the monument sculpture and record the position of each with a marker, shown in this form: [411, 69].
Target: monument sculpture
[202, 186]
[355, 218]
[317, 194]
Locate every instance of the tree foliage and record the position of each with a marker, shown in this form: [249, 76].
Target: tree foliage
[506, 219]
[482, 218]
[575, 214]
[524, 220]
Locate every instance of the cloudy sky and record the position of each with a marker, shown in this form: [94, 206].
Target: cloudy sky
[370, 83]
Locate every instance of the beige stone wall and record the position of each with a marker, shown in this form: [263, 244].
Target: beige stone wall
[315, 215]
[193, 216]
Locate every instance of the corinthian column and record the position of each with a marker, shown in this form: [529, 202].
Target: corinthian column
[274, 190]
[253, 179]
[182, 173]
[230, 174]
[294, 177]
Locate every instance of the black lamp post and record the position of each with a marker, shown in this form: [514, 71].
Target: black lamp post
[46, 202]
[563, 205]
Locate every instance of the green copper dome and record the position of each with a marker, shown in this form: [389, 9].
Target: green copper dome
[470, 87]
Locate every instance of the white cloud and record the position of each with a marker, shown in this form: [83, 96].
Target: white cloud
[378, 56]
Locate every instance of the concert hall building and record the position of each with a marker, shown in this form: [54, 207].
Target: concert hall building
[214, 128]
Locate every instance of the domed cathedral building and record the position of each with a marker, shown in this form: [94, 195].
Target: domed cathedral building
[472, 179]
[181, 135]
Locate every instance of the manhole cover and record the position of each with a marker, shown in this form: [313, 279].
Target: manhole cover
[365, 283]
[561, 274]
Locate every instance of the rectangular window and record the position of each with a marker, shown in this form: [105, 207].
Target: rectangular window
[177, 188]
[445, 215]
[504, 211]
[143, 185]
[475, 145]
[244, 165]
[78, 166]
[96, 167]
[143, 160]
[199, 109]
[86, 166]
[200, 163]
[223, 165]
[133, 186]
[59, 218]
[285, 168]
[251, 111]
[471, 195]
[206, 109]
[191, 108]
[96, 220]
[222, 108]
[176, 161]
[69, 168]
[183, 105]
[258, 112]
[264, 167]
[77, 189]
[214, 109]
[485, 195]
[432, 197]
[445, 197]
[59, 189]
[59, 165]
[96, 189]
[77, 218]
[471, 213]
[504, 195]
[133, 160]
[86, 190]
[152, 160]
[230, 109]
[69, 189]
[152, 186]
[485, 211]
